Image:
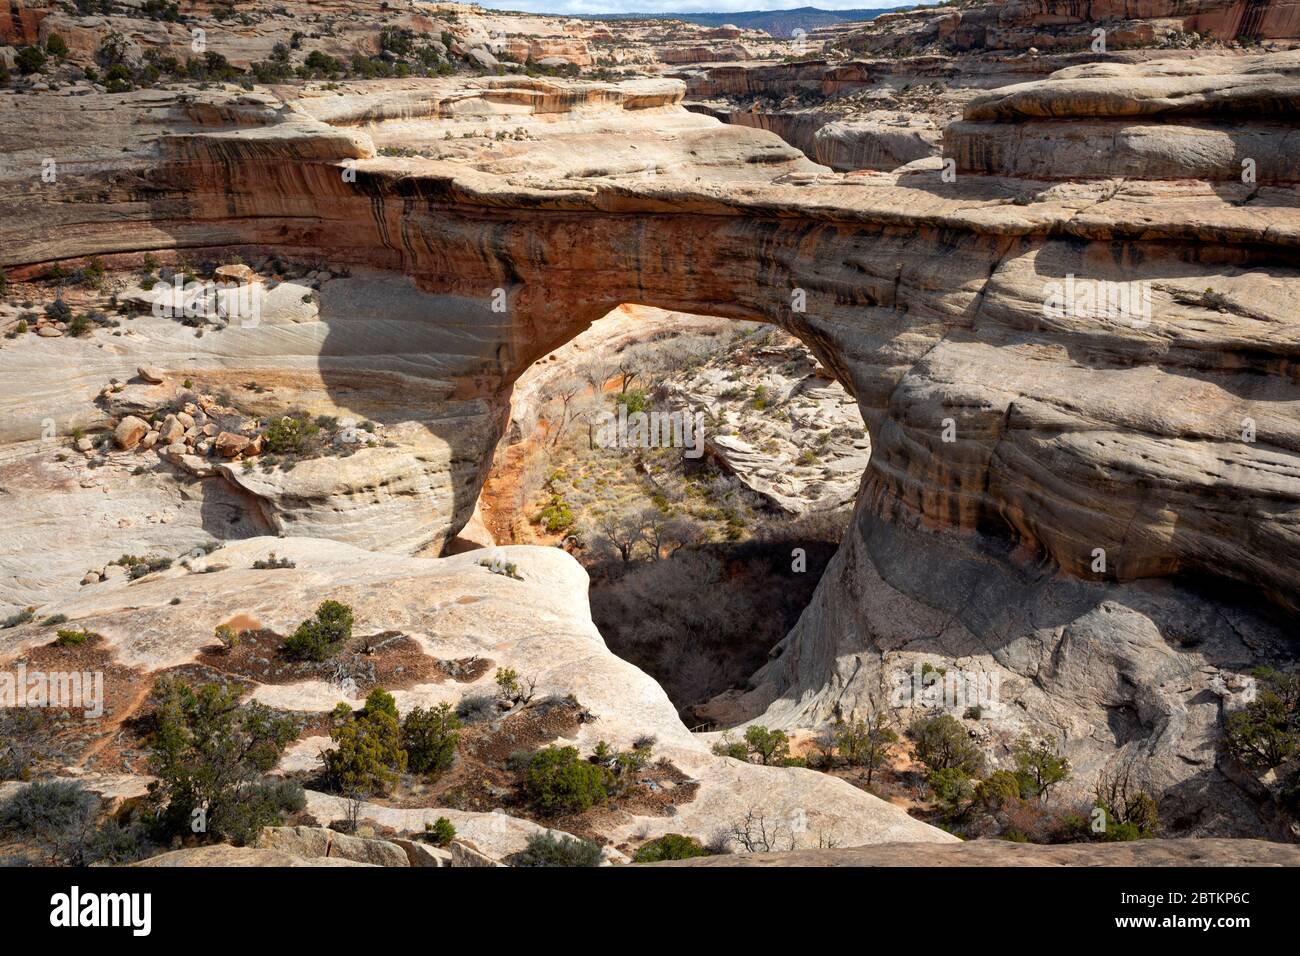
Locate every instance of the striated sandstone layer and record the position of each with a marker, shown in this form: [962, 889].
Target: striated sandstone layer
[1011, 442]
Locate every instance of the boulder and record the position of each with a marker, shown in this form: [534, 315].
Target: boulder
[300, 841]
[171, 430]
[375, 852]
[483, 58]
[151, 374]
[462, 854]
[129, 432]
[231, 445]
[239, 275]
[422, 854]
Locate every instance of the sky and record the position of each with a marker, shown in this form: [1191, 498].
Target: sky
[682, 6]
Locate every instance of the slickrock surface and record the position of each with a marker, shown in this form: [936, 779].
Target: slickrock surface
[453, 608]
[1010, 441]
[224, 855]
[1206, 852]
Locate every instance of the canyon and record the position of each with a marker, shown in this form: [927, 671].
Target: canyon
[1061, 290]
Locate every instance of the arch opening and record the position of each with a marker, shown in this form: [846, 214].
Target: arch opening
[703, 470]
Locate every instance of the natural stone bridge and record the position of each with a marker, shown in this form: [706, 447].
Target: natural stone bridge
[1105, 510]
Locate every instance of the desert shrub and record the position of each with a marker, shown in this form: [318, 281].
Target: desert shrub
[953, 789]
[137, 567]
[19, 730]
[476, 708]
[557, 516]
[429, 738]
[316, 638]
[227, 635]
[559, 782]
[943, 743]
[380, 701]
[210, 755]
[291, 435]
[368, 756]
[1129, 813]
[58, 311]
[544, 849]
[735, 749]
[117, 843]
[1039, 767]
[440, 832]
[68, 637]
[513, 688]
[59, 815]
[272, 563]
[31, 59]
[670, 846]
[771, 747]
[1265, 732]
[634, 401]
[1001, 789]
[318, 62]
[55, 45]
[265, 803]
[18, 618]
[865, 743]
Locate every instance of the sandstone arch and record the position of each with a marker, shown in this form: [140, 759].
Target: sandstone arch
[925, 298]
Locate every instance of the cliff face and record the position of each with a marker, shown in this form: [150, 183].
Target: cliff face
[1069, 25]
[1101, 504]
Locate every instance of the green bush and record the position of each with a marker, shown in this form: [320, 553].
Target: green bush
[735, 749]
[316, 638]
[634, 400]
[31, 59]
[292, 434]
[71, 638]
[559, 782]
[772, 747]
[1002, 789]
[210, 755]
[670, 846]
[865, 743]
[953, 788]
[1039, 767]
[262, 804]
[429, 738]
[440, 832]
[543, 849]
[557, 516]
[1266, 731]
[943, 743]
[368, 757]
